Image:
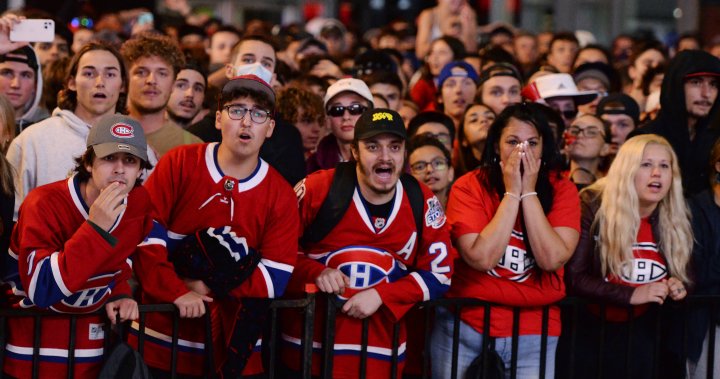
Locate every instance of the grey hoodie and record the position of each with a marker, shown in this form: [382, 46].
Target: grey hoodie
[33, 111]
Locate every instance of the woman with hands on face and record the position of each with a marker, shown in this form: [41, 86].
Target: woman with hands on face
[634, 251]
[515, 222]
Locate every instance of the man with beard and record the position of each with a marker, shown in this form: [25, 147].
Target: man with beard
[389, 248]
[688, 101]
[45, 153]
[154, 61]
[187, 96]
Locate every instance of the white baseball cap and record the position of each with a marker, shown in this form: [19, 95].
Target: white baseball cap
[557, 85]
[353, 85]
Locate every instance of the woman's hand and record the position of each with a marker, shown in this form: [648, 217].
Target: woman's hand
[650, 293]
[531, 168]
[676, 289]
[511, 172]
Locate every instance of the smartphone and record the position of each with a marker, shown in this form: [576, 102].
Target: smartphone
[33, 30]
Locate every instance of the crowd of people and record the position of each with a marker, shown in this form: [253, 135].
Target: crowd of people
[169, 158]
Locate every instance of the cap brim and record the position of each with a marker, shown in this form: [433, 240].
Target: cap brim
[252, 84]
[373, 133]
[580, 98]
[104, 149]
[698, 74]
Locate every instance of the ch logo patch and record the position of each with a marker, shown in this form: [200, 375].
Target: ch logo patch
[365, 266]
[382, 116]
[121, 130]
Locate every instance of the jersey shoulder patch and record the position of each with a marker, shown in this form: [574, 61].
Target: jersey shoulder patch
[434, 216]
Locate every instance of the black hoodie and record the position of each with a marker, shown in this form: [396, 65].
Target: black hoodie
[672, 119]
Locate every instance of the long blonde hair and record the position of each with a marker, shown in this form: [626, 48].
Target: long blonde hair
[7, 123]
[618, 218]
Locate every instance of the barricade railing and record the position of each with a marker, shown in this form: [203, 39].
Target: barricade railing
[569, 306]
[307, 304]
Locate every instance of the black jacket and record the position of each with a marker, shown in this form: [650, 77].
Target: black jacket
[672, 119]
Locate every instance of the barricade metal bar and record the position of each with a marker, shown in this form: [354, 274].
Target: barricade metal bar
[426, 345]
[486, 342]
[174, 348]
[628, 345]
[37, 326]
[573, 337]
[141, 334]
[209, 353]
[308, 335]
[711, 342]
[456, 342]
[71, 346]
[601, 342]
[363, 347]
[329, 340]
[543, 340]
[515, 343]
[273, 345]
[395, 347]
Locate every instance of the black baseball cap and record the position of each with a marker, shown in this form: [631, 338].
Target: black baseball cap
[378, 121]
[24, 54]
[619, 103]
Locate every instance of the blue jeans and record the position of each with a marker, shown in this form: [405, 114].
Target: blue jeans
[470, 346]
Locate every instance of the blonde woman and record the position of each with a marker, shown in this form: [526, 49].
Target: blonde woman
[7, 124]
[634, 250]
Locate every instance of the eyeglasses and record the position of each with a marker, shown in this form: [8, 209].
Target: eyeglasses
[438, 164]
[339, 110]
[444, 138]
[590, 132]
[237, 112]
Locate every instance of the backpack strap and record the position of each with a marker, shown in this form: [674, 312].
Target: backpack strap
[417, 202]
[335, 204]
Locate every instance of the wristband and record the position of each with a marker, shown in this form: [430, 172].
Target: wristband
[528, 194]
[512, 195]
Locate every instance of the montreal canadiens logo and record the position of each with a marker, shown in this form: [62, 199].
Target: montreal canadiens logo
[365, 266]
[122, 130]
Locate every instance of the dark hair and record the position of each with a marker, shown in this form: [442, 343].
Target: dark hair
[431, 116]
[496, 54]
[261, 98]
[457, 48]
[187, 29]
[649, 75]
[252, 37]
[640, 47]
[417, 142]
[563, 36]
[383, 77]
[53, 82]
[594, 46]
[531, 113]
[225, 29]
[67, 99]
[309, 62]
[194, 65]
[305, 81]
[466, 160]
[87, 159]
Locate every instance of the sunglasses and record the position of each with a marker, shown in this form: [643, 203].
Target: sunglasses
[339, 110]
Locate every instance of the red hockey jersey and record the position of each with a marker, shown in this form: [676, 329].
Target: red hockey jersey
[387, 258]
[190, 192]
[66, 266]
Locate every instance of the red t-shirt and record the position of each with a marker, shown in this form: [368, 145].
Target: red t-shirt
[514, 281]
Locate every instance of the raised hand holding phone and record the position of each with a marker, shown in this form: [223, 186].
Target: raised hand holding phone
[33, 30]
[7, 23]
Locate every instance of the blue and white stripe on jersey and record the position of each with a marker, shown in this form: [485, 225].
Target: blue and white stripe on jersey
[276, 276]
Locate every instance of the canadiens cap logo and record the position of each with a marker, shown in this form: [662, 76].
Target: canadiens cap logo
[121, 130]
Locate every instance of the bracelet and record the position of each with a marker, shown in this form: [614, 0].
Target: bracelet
[512, 195]
[528, 194]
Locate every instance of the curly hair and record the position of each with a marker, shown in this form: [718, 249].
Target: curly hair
[148, 44]
[292, 99]
[618, 218]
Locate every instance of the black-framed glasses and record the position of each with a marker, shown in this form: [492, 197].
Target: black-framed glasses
[590, 132]
[444, 138]
[237, 112]
[339, 110]
[438, 164]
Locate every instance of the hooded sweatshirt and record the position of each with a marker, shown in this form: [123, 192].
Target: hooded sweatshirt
[46, 152]
[672, 120]
[33, 111]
